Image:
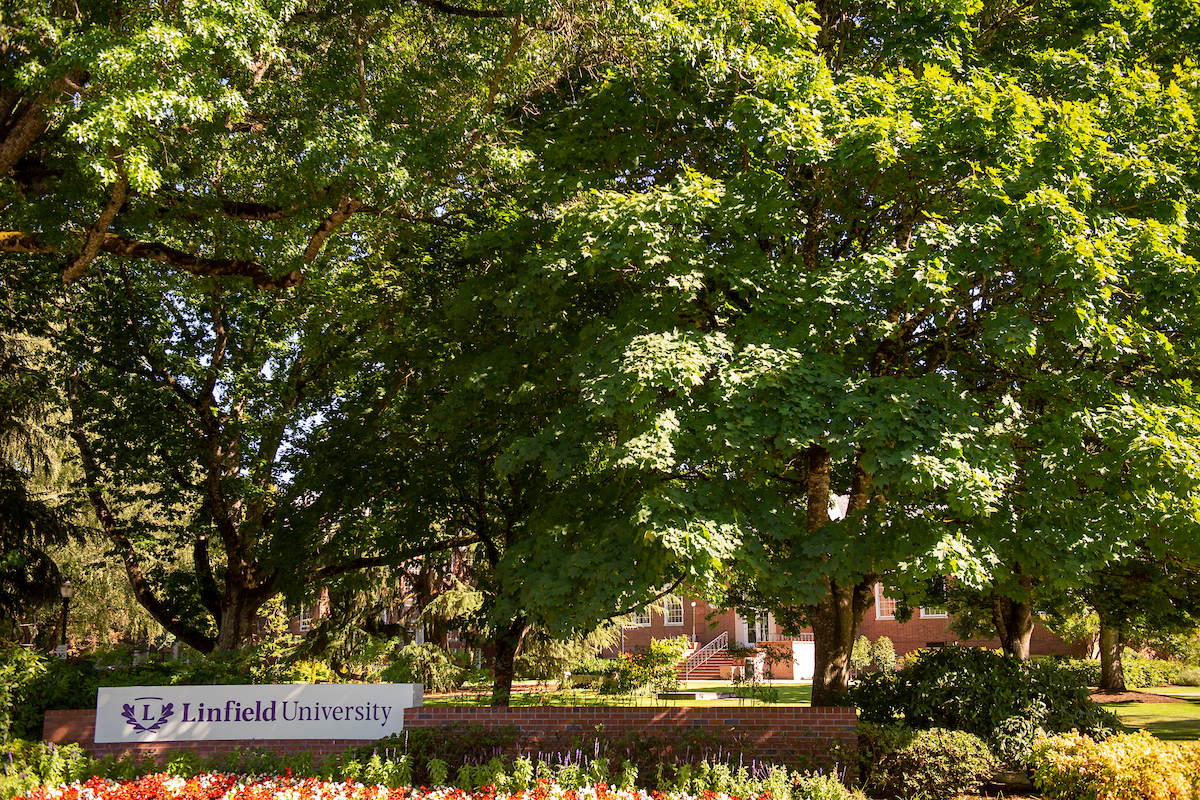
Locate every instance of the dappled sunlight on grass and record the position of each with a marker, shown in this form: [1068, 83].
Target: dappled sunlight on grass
[1171, 721]
[535, 694]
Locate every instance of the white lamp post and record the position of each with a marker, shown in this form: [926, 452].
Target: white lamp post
[693, 620]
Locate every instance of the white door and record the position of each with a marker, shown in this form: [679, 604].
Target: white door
[762, 628]
[757, 629]
[804, 665]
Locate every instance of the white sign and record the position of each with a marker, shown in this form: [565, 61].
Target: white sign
[277, 711]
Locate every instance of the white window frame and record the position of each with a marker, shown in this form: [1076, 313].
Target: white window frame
[304, 624]
[880, 599]
[934, 613]
[641, 618]
[669, 605]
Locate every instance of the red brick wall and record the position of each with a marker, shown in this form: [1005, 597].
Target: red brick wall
[79, 727]
[786, 734]
[792, 735]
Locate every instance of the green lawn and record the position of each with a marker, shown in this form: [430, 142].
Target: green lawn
[1174, 691]
[1173, 721]
[533, 694]
[790, 694]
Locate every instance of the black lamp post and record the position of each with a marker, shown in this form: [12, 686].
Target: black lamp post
[67, 591]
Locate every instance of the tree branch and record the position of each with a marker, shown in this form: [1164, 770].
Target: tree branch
[21, 134]
[345, 209]
[514, 44]
[366, 562]
[94, 238]
[256, 212]
[17, 242]
[669, 590]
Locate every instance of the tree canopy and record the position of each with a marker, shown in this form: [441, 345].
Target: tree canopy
[614, 296]
[925, 260]
[204, 203]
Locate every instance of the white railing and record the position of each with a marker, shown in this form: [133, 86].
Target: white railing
[701, 656]
[779, 637]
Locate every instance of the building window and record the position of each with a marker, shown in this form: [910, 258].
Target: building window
[758, 627]
[885, 607]
[673, 611]
[305, 620]
[938, 590]
[641, 617]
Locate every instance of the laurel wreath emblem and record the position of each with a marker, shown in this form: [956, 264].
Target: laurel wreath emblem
[128, 713]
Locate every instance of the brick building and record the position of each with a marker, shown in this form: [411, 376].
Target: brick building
[930, 627]
[713, 630]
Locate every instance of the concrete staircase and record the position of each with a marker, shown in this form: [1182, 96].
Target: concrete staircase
[710, 670]
[704, 664]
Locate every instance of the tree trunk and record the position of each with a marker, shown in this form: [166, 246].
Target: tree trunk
[508, 644]
[836, 619]
[835, 624]
[239, 610]
[1014, 625]
[1112, 673]
[1014, 619]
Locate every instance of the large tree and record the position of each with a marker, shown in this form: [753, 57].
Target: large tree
[933, 259]
[477, 432]
[201, 201]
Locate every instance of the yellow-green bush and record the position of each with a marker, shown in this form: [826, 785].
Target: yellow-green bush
[1133, 766]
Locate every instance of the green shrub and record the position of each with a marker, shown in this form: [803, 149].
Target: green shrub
[426, 664]
[1133, 766]
[1134, 670]
[37, 683]
[630, 759]
[449, 744]
[1189, 676]
[883, 653]
[817, 787]
[897, 761]
[1183, 647]
[1140, 671]
[982, 692]
[1081, 671]
[595, 666]
[18, 667]
[652, 668]
[1163, 673]
[32, 683]
[860, 654]
[184, 763]
[25, 765]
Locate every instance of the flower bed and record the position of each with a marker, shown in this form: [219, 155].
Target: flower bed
[1133, 766]
[222, 786]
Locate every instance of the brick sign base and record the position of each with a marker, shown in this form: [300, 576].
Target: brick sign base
[792, 735]
[79, 727]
